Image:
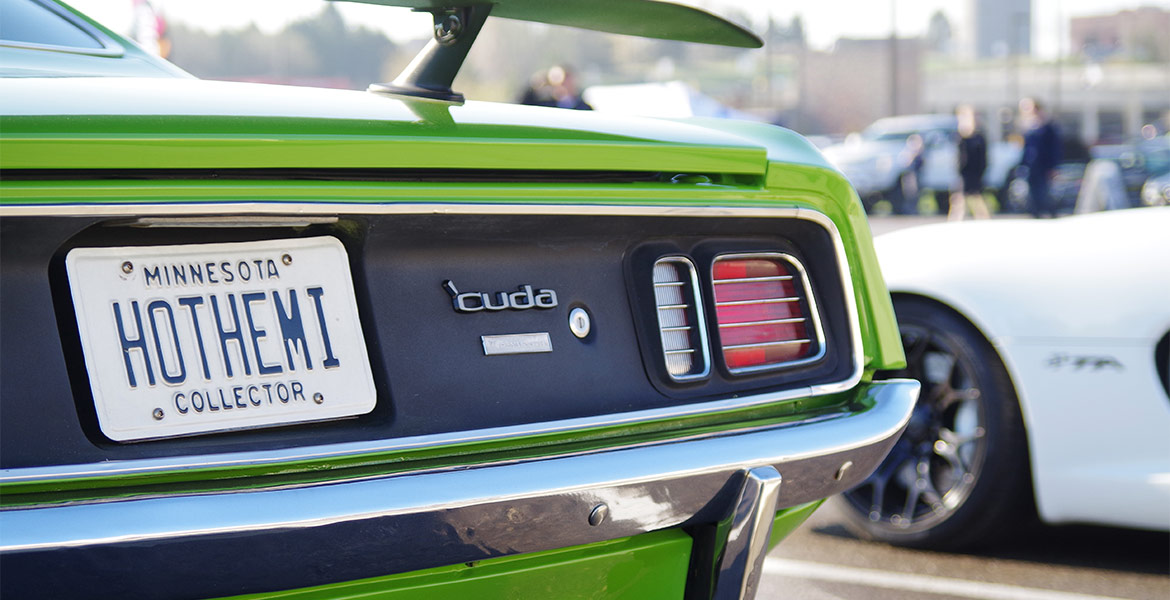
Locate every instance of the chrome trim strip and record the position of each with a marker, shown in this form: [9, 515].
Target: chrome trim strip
[753, 279]
[231, 222]
[768, 322]
[109, 47]
[767, 344]
[814, 314]
[762, 301]
[647, 488]
[330, 451]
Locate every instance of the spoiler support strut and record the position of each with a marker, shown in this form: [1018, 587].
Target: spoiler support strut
[433, 70]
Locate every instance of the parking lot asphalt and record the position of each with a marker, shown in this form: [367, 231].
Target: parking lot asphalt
[824, 561]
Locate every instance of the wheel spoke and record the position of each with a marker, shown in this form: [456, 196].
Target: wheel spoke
[956, 440]
[930, 470]
[955, 396]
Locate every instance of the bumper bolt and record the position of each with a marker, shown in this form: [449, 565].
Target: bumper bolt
[599, 514]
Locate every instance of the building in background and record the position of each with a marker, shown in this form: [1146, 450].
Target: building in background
[997, 28]
[1142, 34]
[1095, 103]
[849, 87]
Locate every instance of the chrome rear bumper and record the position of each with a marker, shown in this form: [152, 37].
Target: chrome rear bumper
[272, 539]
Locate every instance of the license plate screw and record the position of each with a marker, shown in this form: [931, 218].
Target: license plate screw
[127, 267]
[286, 259]
[319, 398]
[158, 414]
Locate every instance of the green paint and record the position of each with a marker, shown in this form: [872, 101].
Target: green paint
[649, 566]
[789, 519]
[749, 165]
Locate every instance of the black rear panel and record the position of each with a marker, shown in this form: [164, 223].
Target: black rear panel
[428, 361]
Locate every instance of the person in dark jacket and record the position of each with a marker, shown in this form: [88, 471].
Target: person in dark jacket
[1041, 155]
[972, 164]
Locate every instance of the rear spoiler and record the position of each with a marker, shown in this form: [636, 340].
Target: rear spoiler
[457, 23]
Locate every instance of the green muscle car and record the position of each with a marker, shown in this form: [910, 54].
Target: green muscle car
[259, 340]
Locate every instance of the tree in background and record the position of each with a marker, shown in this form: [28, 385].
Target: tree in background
[320, 50]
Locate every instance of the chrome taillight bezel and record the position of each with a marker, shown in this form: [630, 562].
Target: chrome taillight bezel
[695, 308]
[805, 297]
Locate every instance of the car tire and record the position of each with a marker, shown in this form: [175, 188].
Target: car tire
[958, 477]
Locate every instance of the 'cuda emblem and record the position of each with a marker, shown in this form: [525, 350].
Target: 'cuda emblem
[524, 297]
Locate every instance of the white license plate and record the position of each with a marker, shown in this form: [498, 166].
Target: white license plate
[182, 340]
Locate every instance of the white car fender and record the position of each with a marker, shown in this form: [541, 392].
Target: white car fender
[1074, 307]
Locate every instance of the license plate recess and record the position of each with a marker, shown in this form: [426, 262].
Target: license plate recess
[191, 339]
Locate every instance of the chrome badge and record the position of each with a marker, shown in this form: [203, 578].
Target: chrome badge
[524, 297]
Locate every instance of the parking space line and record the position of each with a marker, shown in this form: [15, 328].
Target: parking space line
[915, 583]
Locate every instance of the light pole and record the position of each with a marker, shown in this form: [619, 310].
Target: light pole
[893, 58]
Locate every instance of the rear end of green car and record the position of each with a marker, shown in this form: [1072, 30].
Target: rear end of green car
[259, 340]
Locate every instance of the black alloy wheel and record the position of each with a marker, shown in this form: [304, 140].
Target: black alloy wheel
[958, 476]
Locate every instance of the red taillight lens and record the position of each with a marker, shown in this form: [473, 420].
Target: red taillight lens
[761, 311]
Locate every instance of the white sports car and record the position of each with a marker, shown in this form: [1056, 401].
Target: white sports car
[1042, 347]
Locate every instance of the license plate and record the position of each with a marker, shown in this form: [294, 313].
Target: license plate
[183, 340]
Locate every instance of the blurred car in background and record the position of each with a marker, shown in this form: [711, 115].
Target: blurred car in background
[667, 99]
[1156, 191]
[876, 160]
[1139, 161]
[1064, 188]
[1042, 348]
[1119, 175]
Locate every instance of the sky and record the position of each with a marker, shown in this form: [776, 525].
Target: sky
[824, 20]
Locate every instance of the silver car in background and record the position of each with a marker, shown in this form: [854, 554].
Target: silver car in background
[878, 160]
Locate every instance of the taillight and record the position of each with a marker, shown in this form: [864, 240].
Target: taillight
[681, 325]
[766, 317]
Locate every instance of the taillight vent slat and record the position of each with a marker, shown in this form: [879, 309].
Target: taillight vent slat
[681, 325]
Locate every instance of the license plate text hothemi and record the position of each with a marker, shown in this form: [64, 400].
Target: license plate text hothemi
[189, 339]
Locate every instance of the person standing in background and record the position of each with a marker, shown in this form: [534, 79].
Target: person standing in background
[149, 29]
[1041, 155]
[555, 87]
[972, 165]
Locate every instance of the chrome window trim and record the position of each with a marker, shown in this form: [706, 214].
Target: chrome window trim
[196, 212]
[700, 319]
[814, 312]
[109, 49]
